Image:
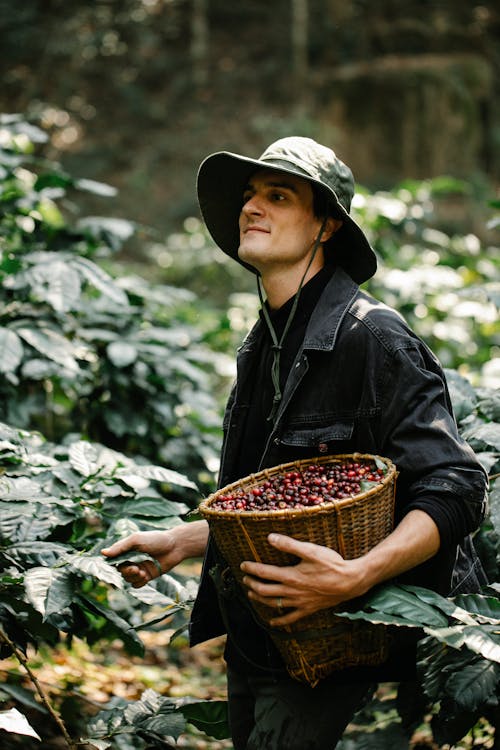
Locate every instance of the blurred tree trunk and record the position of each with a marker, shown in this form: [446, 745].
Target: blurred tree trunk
[199, 41]
[300, 56]
[300, 38]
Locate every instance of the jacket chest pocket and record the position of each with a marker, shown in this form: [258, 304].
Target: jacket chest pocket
[333, 438]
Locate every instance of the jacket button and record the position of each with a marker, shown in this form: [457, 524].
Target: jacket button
[323, 447]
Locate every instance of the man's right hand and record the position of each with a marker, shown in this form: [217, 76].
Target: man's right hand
[169, 548]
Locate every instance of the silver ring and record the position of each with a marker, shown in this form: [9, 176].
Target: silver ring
[279, 603]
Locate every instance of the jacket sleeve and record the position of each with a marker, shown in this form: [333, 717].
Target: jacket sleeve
[439, 472]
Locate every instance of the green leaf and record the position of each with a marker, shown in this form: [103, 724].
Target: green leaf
[208, 716]
[462, 394]
[83, 458]
[484, 435]
[474, 684]
[118, 625]
[96, 188]
[475, 638]
[101, 280]
[161, 474]
[13, 721]
[153, 508]
[11, 350]
[39, 581]
[97, 567]
[56, 283]
[52, 180]
[155, 714]
[487, 608]
[121, 353]
[495, 506]
[403, 603]
[52, 345]
[440, 602]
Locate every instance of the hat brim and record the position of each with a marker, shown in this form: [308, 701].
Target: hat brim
[222, 178]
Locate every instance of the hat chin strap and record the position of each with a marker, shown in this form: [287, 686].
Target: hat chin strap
[277, 346]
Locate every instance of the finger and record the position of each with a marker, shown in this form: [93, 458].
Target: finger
[263, 571]
[305, 550]
[122, 545]
[263, 588]
[287, 619]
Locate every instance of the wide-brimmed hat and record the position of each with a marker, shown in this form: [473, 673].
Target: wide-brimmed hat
[223, 176]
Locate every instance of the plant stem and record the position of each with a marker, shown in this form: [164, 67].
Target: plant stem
[46, 702]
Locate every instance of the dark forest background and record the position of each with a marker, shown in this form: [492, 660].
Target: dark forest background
[137, 92]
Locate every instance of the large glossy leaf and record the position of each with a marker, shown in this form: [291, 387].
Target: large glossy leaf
[97, 567]
[15, 722]
[155, 714]
[118, 625]
[153, 508]
[462, 394]
[486, 608]
[402, 602]
[484, 436]
[11, 350]
[39, 553]
[101, 281]
[474, 683]
[484, 640]
[20, 488]
[161, 474]
[49, 590]
[209, 716]
[495, 506]
[441, 603]
[56, 283]
[121, 353]
[52, 345]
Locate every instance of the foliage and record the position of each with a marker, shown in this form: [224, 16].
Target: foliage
[446, 285]
[59, 506]
[459, 660]
[117, 360]
[156, 721]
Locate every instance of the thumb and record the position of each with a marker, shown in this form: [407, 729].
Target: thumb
[122, 545]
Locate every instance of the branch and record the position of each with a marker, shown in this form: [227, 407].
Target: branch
[24, 663]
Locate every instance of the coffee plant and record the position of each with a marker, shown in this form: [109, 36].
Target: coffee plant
[117, 360]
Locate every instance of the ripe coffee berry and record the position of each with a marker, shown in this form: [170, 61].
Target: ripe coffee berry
[314, 485]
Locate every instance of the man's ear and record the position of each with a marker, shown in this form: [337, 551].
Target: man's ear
[332, 226]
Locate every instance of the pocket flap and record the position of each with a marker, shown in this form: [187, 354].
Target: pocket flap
[310, 437]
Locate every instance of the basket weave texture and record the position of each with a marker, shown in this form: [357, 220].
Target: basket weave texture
[321, 643]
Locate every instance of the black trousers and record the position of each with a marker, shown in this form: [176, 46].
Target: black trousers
[267, 713]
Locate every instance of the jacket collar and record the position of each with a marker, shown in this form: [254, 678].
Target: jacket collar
[329, 312]
[326, 318]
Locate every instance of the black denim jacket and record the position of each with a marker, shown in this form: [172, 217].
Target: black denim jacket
[363, 381]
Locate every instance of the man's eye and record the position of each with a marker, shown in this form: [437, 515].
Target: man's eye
[277, 197]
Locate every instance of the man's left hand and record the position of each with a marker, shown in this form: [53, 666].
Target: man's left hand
[321, 579]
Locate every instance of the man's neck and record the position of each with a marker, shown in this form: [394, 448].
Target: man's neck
[281, 284]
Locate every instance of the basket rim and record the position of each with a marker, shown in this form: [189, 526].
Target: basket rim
[254, 479]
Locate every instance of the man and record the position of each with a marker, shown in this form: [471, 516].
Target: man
[327, 369]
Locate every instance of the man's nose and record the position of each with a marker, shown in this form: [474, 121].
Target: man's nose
[253, 206]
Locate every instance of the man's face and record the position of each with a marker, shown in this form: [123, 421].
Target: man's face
[277, 223]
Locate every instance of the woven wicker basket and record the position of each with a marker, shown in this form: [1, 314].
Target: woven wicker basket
[321, 643]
